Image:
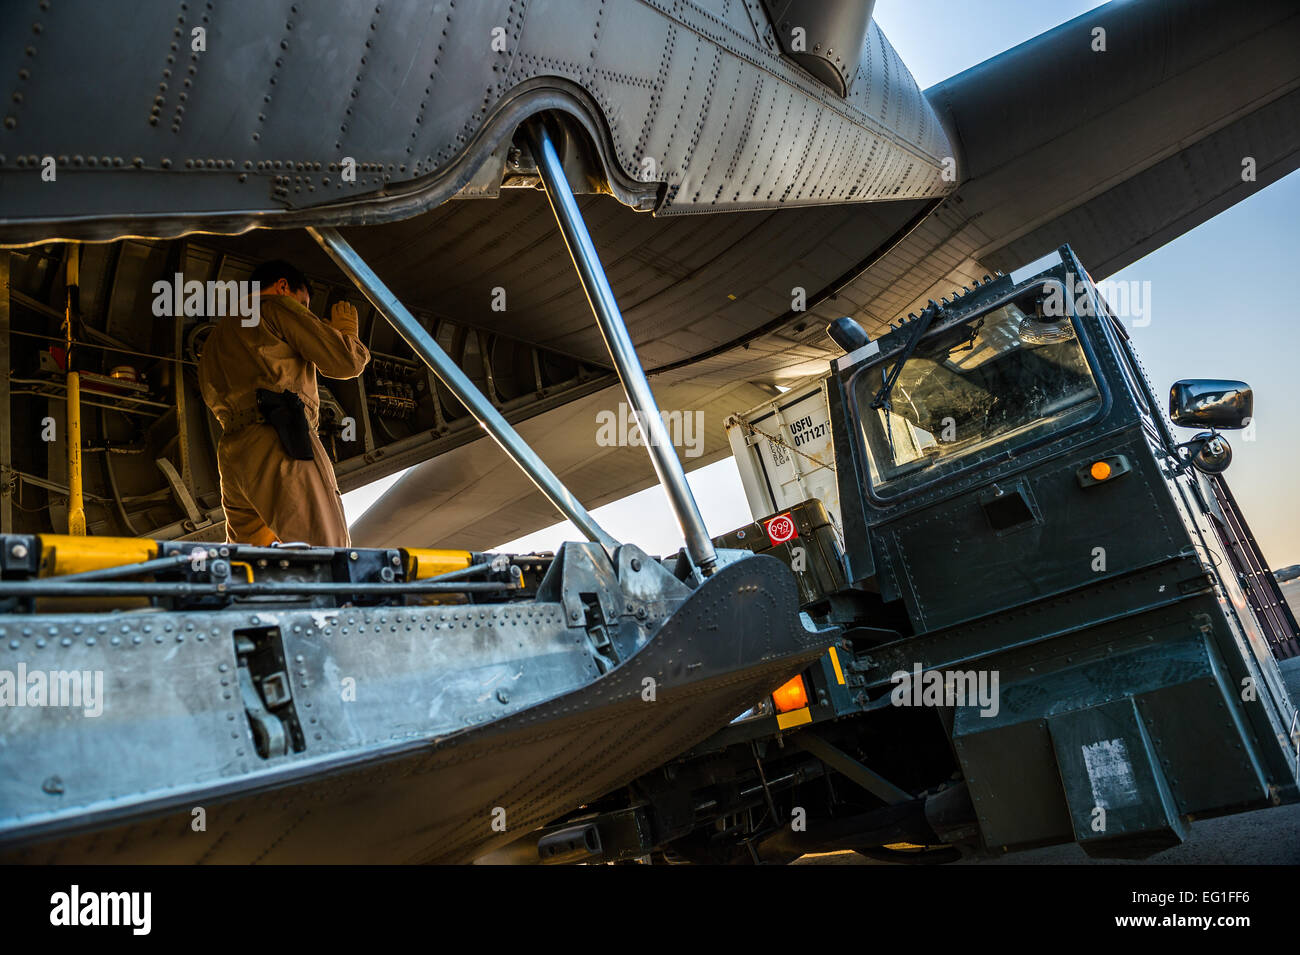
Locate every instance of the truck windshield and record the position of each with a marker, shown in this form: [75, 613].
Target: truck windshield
[969, 392]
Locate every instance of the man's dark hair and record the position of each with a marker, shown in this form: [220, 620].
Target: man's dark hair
[268, 273]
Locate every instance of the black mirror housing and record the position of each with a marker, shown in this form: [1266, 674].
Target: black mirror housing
[1211, 403]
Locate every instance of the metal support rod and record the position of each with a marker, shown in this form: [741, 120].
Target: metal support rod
[6, 409]
[72, 432]
[171, 562]
[118, 588]
[601, 297]
[842, 762]
[72, 429]
[424, 345]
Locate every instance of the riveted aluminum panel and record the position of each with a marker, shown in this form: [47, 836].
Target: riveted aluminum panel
[151, 134]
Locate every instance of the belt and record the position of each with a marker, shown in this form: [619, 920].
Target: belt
[242, 419]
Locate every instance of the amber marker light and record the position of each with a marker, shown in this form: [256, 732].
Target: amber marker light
[1100, 470]
[791, 696]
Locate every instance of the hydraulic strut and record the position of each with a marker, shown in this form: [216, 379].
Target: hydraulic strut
[642, 400]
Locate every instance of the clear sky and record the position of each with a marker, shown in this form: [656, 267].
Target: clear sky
[1220, 307]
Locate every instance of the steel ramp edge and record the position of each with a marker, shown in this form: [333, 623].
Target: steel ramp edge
[452, 797]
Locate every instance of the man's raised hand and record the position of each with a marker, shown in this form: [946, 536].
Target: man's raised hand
[343, 318]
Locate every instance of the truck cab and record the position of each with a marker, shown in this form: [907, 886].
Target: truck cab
[1056, 625]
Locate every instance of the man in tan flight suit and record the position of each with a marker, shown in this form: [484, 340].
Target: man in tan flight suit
[267, 493]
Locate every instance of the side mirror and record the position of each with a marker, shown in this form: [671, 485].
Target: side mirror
[1210, 402]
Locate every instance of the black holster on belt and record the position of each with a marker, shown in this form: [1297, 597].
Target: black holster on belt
[284, 412]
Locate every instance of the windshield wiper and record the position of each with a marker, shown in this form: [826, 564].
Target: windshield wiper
[919, 328]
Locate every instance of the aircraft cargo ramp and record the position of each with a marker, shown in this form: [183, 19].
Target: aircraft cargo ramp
[405, 733]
